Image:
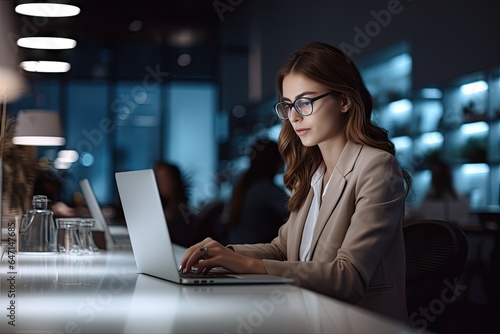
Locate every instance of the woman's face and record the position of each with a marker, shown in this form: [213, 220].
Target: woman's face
[324, 127]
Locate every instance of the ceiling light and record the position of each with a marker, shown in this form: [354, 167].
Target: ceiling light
[47, 9]
[52, 43]
[45, 66]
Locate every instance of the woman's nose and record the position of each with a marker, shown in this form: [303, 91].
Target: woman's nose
[293, 115]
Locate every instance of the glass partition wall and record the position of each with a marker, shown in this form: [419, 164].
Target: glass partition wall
[127, 125]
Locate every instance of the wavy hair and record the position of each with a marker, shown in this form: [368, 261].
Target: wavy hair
[329, 66]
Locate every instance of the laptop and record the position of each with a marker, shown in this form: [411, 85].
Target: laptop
[95, 210]
[153, 250]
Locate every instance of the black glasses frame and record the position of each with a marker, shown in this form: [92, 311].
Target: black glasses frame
[290, 105]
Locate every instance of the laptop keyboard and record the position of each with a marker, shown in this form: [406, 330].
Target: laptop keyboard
[193, 274]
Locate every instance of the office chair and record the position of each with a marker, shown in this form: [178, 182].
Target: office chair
[436, 252]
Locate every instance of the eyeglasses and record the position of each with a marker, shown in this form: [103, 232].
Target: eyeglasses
[303, 106]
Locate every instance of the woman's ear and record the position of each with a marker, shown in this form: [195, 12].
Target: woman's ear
[345, 103]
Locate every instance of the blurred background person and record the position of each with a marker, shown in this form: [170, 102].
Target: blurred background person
[257, 208]
[443, 202]
[49, 183]
[174, 199]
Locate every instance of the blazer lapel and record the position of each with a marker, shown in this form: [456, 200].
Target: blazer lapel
[335, 189]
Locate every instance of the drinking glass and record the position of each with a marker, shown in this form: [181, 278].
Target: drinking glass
[86, 238]
[71, 243]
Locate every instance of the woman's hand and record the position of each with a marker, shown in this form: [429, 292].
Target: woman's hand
[208, 254]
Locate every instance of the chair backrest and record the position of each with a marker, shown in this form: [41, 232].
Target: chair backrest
[436, 252]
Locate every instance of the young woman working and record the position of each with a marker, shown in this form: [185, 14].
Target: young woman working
[344, 235]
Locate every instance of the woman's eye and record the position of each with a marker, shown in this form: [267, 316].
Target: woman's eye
[303, 103]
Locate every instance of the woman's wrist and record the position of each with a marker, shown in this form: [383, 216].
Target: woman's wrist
[257, 266]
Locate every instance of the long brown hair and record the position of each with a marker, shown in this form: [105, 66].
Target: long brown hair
[329, 66]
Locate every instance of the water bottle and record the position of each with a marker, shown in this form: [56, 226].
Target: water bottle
[38, 230]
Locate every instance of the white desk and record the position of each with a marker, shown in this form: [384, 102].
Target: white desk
[105, 294]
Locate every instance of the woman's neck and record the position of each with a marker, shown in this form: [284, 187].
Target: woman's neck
[331, 151]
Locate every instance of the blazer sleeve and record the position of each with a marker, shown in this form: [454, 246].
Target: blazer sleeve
[375, 191]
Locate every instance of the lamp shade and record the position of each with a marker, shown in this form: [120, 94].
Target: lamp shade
[38, 128]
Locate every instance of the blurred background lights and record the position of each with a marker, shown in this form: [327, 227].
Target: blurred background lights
[135, 25]
[87, 159]
[474, 87]
[184, 37]
[65, 158]
[274, 132]
[400, 106]
[401, 63]
[475, 168]
[402, 142]
[239, 111]
[184, 59]
[432, 138]
[476, 127]
[47, 9]
[431, 93]
[68, 156]
[61, 164]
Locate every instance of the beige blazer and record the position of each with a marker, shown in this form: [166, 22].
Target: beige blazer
[357, 248]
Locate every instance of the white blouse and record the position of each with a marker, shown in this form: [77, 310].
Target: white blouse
[312, 215]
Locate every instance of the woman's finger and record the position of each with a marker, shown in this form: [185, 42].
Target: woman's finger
[188, 254]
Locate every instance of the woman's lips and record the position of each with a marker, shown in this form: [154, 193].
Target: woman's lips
[301, 132]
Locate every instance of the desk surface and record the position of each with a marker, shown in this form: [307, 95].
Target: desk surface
[106, 294]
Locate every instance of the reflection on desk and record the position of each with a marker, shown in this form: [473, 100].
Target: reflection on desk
[105, 294]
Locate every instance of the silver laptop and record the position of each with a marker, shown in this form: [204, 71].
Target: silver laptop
[153, 251]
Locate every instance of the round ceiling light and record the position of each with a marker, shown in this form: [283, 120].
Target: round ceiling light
[46, 43]
[43, 66]
[47, 9]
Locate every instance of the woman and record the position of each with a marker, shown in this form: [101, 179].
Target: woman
[258, 206]
[344, 235]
